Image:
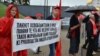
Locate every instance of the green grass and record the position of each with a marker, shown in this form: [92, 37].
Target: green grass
[3, 11]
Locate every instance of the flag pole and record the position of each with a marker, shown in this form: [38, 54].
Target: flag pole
[58, 45]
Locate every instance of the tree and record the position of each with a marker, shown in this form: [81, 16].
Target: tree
[19, 1]
[26, 2]
[13, 1]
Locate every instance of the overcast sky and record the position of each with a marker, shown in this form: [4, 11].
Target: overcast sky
[56, 2]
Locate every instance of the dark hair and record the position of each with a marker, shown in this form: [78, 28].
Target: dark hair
[57, 7]
[33, 17]
[10, 6]
[96, 17]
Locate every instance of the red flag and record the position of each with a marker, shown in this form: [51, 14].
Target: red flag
[58, 44]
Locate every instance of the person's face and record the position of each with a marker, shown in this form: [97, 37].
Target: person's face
[56, 12]
[92, 17]
[13, 11]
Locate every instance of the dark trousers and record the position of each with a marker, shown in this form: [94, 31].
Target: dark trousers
[52, 49]
[90, 48]
[74, 45]
[96, 44]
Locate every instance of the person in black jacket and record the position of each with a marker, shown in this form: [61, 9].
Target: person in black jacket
[96, 40]
[97, 37]
[92, 32]
[86, 40]
[74, 34]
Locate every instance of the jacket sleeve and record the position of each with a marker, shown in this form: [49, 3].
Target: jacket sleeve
[89, 29]
[2, 26]
[86, 19]
[5, 26]
[73, 22]
[49, 18]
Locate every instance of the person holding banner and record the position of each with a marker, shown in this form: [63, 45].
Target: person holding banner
[5, 32]
[39, 16]
[54, 16]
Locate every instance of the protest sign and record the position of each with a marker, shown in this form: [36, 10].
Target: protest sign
[31, 34]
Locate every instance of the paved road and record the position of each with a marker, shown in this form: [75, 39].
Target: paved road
[65, 47]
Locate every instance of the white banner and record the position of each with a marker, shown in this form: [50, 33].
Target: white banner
[31, 34]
